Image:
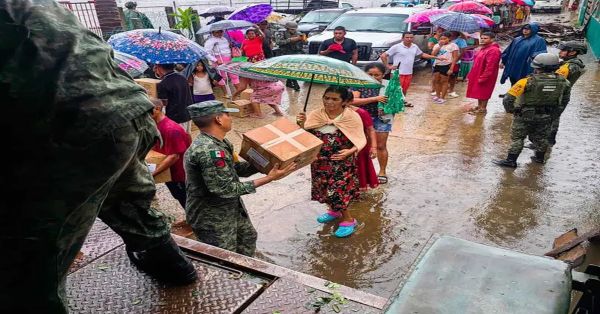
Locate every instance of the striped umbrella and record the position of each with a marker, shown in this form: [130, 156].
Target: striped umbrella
[459, 22]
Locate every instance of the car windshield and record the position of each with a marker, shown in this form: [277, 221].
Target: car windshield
[320, 17]
[377, 23]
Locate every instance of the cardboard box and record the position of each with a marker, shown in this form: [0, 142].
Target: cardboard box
[154, 158]
[281, 142]
[242, 105]
[246, 94]
[150, 85]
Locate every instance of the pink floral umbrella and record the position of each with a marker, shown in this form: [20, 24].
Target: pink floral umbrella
[423, 17]
[470, 7]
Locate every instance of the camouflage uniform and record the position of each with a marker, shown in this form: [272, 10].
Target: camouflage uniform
[287, 47]
[571, 70]
[80, 129]
[214, 208]
[540, 98]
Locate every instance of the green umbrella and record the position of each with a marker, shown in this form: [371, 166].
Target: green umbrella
[312, 68]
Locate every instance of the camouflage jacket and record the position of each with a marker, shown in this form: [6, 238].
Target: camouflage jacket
[571, 70]
[64, 76]
[286, 46]
[136, 20]
[213, 178]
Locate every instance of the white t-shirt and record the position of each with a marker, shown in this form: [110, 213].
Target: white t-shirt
[445, 53]
[202, 85]
[404, 57]
[217, 46]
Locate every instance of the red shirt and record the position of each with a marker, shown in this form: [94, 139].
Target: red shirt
[252, 47]
[175, 141]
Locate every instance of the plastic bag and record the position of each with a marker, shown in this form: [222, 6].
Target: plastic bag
[395, 101]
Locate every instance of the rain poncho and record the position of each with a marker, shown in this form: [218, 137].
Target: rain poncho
[518, 55]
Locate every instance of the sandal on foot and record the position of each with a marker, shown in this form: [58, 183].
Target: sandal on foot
[382, 179]
[410, 105]
[346, 228]
[329, 216]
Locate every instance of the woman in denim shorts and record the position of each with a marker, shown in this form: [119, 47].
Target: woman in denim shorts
[367, 98]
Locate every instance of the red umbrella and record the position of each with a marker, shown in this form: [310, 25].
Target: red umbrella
[470, 7]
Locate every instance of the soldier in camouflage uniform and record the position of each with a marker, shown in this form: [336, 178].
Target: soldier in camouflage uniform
[214, 208]
[135, 19]
[540, 97]
[572, 69]
[79, 128]
[291, 42]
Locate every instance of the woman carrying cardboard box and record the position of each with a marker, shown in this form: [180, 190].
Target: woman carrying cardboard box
[334, 174]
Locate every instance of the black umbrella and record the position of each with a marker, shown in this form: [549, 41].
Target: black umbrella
[217, 11]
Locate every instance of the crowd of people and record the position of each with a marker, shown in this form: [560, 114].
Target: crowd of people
[86, 145]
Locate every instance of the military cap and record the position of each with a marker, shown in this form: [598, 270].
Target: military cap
[578, 46]
[209, 107]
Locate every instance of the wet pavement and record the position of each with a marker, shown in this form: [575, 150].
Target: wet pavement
[442, 181]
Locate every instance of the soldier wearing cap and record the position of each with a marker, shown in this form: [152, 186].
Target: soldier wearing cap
[214, 208]
[291, 42]
[535, 101]
[571, 69]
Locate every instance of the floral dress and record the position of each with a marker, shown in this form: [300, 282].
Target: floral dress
[334, 182]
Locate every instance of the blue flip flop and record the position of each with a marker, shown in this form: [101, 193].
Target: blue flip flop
[329, 216]
[346, 229]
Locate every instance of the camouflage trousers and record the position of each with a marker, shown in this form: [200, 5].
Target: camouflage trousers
[554, 125]
[229, 228]
[537, 131]
[54, 197]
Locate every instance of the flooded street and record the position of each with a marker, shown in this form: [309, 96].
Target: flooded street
[442, 181]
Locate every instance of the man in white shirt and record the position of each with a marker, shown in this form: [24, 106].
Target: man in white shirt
[403, 58]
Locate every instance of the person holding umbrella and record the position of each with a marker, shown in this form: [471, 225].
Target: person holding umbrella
[219, 52]
[334, 172]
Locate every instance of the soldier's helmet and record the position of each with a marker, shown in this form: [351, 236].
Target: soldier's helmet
[578, 46]
[130, 5]
[546, 62]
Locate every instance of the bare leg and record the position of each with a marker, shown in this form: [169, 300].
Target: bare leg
[382, 152]
[346, 216]
[239, 88]
[278, 111]
[443, 86]
[451, 83]
[483, 104]
[437, 84]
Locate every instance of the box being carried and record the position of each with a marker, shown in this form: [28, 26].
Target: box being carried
[150, 85]
[281, 142]
[153, 159]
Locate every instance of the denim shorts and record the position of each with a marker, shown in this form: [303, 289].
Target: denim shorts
[381, 126]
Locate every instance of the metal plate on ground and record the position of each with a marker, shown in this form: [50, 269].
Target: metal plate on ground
[286, 296]
[111, 284]
[99, 241]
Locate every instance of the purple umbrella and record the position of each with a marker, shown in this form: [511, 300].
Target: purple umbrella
[252, 13]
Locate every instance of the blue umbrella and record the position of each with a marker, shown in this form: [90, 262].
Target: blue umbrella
[157, 46]
[459, 22]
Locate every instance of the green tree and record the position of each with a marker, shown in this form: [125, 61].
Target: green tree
[185, 21]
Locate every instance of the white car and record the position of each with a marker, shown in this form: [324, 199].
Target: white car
[553, 6]
[375, 30]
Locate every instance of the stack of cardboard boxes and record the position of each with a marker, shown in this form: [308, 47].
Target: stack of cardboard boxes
[243, 104]
[150, 85]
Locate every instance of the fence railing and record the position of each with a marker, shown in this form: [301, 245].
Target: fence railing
[85, 11]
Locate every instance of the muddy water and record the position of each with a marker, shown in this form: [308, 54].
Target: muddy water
[442, 181]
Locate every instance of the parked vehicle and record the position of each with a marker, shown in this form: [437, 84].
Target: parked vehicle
[547, 6]
[401, 3]
[375, 30]
[316, 21]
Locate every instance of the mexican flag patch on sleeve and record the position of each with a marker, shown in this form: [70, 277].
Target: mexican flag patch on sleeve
[217, 154]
